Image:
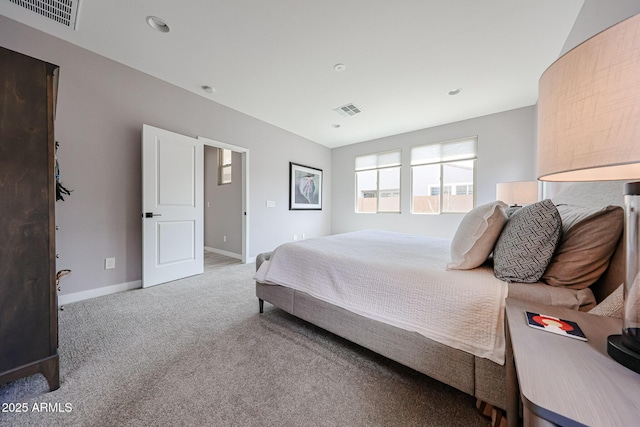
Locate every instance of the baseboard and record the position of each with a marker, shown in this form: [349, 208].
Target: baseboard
[106, 290]
[98, 292]
[225, 253]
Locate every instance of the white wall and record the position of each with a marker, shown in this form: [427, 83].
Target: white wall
[505, 153]
[101, 108]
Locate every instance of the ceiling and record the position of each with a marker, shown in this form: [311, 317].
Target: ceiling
[274, 60]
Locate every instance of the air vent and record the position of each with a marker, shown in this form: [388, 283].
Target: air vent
[347, 110]
[64, 12]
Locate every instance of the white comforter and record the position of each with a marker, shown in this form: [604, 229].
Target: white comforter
[401, 280]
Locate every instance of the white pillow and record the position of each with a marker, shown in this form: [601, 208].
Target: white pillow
[477, 235]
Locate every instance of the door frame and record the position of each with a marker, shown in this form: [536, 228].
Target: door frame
[245, 188]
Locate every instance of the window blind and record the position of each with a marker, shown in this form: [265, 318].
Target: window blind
[378, 160]
[460, 149]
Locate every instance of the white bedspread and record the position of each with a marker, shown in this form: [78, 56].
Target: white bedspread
[401, 280]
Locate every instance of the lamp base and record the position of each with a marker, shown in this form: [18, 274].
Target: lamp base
[622, 354]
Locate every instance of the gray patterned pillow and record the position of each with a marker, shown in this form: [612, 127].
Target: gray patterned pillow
[527, 243]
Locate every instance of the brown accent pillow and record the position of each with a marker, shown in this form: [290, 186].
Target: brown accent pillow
[589, 238]
[612, 305]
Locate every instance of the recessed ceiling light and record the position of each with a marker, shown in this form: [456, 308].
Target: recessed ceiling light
[454, 91]
[158, 24]
[339, 67]
[208, 89]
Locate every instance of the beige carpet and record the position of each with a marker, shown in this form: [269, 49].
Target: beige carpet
[196, 352]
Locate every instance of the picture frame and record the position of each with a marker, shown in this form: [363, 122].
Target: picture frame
[305, 187]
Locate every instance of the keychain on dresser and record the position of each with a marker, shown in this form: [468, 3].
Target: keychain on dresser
[59, 276]
[60, 189]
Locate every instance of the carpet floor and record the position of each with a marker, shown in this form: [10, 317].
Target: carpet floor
[196, 352]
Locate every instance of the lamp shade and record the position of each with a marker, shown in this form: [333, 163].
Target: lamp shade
[589, 109]
[589, 130]
[517, 193]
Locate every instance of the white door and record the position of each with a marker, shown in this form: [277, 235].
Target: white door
[172, 206]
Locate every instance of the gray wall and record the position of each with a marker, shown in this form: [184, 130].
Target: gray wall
[222, 204]
[598, 15]
[101, 108]
[505, 153]
[506, 141]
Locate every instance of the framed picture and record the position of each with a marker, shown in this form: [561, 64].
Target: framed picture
[305, 187]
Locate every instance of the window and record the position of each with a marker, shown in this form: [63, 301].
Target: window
[378, 182]
[224, 166]
[443, 176]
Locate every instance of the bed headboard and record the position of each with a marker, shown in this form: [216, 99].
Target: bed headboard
[593, 195]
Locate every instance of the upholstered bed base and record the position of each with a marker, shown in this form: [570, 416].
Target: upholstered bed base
[473, 375]
[464, 371]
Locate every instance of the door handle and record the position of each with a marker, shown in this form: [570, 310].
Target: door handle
[151, 214]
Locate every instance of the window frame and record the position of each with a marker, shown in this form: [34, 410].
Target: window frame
[223, 166]
[377, 191]
[472, 157]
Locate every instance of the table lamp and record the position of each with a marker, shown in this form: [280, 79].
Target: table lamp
[517, 193]
[589, 130]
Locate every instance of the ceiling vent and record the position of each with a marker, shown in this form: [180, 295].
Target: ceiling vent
[347, 110]
[64, 12]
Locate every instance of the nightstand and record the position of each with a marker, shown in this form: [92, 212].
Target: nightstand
[565, 381]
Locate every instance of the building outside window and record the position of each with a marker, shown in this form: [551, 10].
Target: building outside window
[378, 182]
[224, 166]
[443, 177]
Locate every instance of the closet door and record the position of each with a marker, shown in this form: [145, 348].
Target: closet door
[28, 301]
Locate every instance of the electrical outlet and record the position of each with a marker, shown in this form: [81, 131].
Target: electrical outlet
[295, 237]
[271, 203]
[109, 263]
[224, 238]
[303, 236]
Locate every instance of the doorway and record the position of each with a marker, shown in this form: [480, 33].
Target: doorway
[218, 240]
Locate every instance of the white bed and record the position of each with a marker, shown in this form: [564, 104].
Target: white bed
[392, 278]
[393, 294]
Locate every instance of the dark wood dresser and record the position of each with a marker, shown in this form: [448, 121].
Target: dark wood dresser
[28, 299]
